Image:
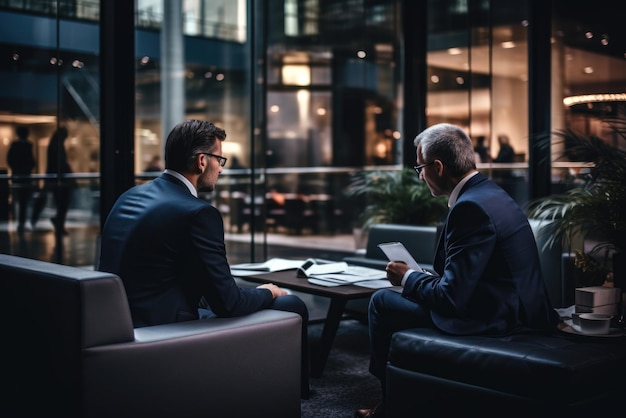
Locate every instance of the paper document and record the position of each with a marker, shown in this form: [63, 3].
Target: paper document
[366, 273]
[325, 283]
[331, 273]
[312, 268]
[338, 271]
[345, 278]
[396, 251]
[330, 280]
[273, 264]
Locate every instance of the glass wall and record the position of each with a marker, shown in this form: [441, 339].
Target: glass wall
[310, 92]
[50, 93]
[478, 79]
[201, 71]
[333, 95]
[588, 82]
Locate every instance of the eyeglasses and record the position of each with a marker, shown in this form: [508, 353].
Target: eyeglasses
[419, 168]
[220, 160]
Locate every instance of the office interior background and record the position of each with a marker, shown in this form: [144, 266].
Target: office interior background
[310, 92]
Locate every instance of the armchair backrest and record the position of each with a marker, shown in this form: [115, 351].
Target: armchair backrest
[550, 258]
[420, 241]
[50, 313]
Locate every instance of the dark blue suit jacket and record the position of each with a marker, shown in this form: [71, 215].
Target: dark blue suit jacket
[489, 277]
[168, 248]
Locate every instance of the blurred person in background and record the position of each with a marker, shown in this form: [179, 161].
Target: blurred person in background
[21, 160]
[59, 183]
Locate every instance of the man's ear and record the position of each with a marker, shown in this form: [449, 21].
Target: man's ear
[439, 167]
[200, 164]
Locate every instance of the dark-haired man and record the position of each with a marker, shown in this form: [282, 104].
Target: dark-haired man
[168, 247]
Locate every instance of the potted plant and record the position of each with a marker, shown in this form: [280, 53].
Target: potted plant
[395, 197]
[593, 211]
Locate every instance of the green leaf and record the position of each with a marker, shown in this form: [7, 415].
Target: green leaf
[395, 197]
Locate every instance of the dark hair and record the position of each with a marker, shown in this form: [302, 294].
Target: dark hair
[188, 139]
[21, 131]
[60, 134]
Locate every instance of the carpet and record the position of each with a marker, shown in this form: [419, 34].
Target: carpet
[346, 383]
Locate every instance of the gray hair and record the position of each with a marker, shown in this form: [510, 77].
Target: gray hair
[449, 144]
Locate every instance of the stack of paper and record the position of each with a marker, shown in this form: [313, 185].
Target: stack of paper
[337, 274]
[271, 265]
[320, 272]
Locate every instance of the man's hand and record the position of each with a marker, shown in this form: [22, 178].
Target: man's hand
[276, 291]
[395, 272]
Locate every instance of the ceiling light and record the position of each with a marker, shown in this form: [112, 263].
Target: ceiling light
[454, 51]
[508, 44]
[605, 40]
[594, 98]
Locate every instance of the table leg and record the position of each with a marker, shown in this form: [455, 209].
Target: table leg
[333, 318]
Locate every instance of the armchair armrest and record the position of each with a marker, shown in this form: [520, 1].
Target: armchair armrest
[246, 366]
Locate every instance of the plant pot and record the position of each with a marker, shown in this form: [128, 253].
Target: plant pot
[360, 238]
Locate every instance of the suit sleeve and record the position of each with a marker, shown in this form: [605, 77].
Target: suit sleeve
[217, 285]
[469, 243]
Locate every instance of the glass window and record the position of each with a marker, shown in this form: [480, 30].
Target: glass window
[50, 95]
[318, 99]
[589, 80]
[478, 79]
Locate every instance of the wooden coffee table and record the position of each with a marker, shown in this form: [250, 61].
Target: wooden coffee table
[339, 296]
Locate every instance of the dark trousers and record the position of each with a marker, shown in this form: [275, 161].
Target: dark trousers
[62, 198]
[389, 312]
[22, 193]
[38, 205]
[62, 195]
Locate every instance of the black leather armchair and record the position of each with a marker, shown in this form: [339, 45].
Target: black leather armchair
[433, 374]
[70, 350]
[430, 373]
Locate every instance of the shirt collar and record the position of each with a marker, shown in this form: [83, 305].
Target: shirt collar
[182, 178]
[457, 189]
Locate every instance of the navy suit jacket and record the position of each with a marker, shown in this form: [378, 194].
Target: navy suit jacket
[168, 248]
[489, 279]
